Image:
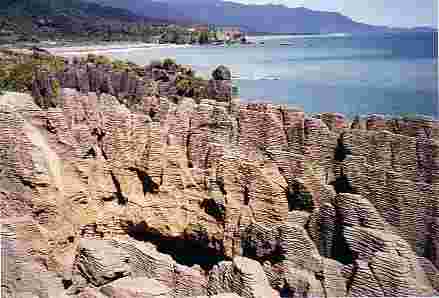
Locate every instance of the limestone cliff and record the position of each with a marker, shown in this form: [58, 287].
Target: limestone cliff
[175, 197]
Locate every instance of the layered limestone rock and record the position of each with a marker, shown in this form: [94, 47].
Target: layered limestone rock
[130, 84]
[136, 288]
[176, 197]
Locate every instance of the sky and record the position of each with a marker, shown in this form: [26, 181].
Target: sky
[395, 13]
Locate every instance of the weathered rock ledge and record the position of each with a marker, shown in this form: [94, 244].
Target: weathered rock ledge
[176, 197]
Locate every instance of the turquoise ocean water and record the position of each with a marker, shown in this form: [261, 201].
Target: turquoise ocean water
[355, 75]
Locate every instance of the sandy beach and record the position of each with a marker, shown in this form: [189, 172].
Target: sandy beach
[111, 48]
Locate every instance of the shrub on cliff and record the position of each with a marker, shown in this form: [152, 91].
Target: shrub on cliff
[18, 76]
[169, 63]
[103, 60]
[184, 87]
[194, 87]
[119, 65]
[195, 228]
[56, 87]
[92, 58]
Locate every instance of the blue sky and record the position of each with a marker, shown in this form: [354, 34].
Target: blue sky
[397, 13]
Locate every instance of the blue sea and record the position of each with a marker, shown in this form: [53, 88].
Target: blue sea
[395, 74]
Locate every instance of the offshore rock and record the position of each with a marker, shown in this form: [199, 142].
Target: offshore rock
[222, 73]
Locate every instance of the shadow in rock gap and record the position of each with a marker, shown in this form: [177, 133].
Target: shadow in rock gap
[192, 248]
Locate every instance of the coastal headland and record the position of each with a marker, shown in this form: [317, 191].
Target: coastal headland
[121, 180]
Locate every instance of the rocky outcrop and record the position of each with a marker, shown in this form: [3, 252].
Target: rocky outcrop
[136, 288]
[105, 196]
[222, 73]
[130, 85]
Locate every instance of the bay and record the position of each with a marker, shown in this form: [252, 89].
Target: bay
[394, 74]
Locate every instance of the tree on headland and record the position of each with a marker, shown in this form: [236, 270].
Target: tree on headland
[204, 38]
[195, 37]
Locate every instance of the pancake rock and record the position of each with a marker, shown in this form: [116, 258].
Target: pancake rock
[109, 195]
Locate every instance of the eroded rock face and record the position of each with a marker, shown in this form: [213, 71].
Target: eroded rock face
[99, 195]
[129, 85]
[136, 288]
[243, 276]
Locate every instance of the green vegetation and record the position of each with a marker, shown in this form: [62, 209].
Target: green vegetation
[20, 77]
[191, 86]
[203, 38]
[194, 38]
[58, 7]
[17, 73]
[56, 87]
[195, 229]
[120, 65]
[175, 34]
[99, 60]
[213, 35]
[169, 63]
[184, 87]
[24, 21]
[72, 20]
[68, 28]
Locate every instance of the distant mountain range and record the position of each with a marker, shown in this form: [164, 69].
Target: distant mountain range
[252, 18]
[151, 9]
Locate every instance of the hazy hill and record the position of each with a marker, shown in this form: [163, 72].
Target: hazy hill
[152, 9]
[257, 18]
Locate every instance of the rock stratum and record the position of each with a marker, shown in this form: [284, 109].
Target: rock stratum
[168, 196]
